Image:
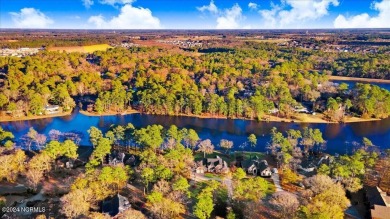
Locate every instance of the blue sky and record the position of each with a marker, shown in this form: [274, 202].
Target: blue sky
[194, 14]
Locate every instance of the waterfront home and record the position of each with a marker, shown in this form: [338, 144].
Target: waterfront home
[216, 165]
[51, 109]
[256, 167]
[301, 109]
[212, 165]
[273, 111]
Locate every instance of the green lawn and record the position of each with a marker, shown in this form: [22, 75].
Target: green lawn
[229, 157]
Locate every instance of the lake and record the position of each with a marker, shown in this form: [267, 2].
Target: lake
[339, 137]
[351, 84]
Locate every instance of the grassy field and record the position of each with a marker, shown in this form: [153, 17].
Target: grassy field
[232, 157]
[268, 40]
[83, 49]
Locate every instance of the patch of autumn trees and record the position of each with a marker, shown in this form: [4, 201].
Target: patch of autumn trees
[163, 172]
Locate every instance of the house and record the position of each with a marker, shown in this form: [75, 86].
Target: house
[300, 109]
[199, 167]
[131, 160]
[65, 163]
[90, 107]
[379, 202]
[263, 169]
[115, 158]
[273, 111]
[212, 165]
[256, 167]
[115, 205]
[216, 165]
[50, 109]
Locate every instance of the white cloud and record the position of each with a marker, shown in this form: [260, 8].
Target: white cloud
[252, 6]
[129, 18]
[30, 18]
[382, 20]
[116, 2]
[298, 11]
[87, 3]
[211, 8]
[230, 18]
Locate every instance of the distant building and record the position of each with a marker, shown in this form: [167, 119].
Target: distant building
[273, 111]
[21, 52]
[51, 109]
[301, 109]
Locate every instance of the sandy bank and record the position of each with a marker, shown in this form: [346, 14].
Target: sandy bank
[372, 80]
[7, 118]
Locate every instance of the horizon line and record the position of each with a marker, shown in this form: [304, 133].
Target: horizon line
[181, 29]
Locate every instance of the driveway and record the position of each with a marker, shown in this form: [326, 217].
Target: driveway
[275, 178]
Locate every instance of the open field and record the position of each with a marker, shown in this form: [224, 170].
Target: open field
[342, 78]
[281, 40]
[97, 47]
[82, 49]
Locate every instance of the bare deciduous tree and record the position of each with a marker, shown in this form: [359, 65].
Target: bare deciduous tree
[285, 203]
[206, 147]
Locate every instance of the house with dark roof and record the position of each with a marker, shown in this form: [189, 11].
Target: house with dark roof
[379, 202]
[216, 165]
[256, 167]
[212, 165]
[115, 158]
[114, 205]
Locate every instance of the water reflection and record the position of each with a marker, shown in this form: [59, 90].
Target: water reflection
[338, 136]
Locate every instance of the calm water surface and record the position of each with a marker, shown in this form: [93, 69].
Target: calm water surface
[352, 84]
[339, 137]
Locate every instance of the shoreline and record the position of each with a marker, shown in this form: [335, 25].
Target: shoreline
[127, 112]
[307, 118]
[269, 118]
[27, 118]
[368, 80]
[302, 118]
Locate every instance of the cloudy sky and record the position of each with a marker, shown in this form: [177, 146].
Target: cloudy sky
[194, 14]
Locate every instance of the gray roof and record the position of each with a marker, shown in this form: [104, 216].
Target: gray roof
[374, 196]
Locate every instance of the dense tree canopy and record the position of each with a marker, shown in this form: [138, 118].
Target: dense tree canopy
[248, 81]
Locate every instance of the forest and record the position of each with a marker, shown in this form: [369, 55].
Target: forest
[249, 81]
